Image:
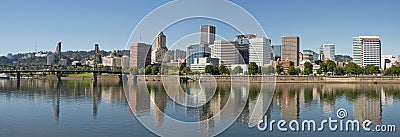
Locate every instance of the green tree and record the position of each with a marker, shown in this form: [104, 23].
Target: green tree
[253, 68]
[308, 68]
[211, 69]
[208, 69]
[223, 70]
[293, 71]
[183, 65]
[215, 70]
[147, 70]
[70, 68]
[237, 70]
[279, 69]
[352, 68]
[135, 71]
[371, 69]
[185, 70]
[298, 71]
[141, 70]
[330, 66]
[392, 71]
[339, 70]
[267, 70]
[154, 70]
[323, 67]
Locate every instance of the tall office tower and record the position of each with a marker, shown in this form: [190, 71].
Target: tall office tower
[140, 55]
[160, 49]
[194, 51]
[96, 49]
[207, 34]
[290, 49]
[367, 50]
[357, 50]
[225, 51]
[277, 51]
[97, 57]
[260, 51]
[207, 37]
[242, 45]
[327, 52]
[59, 50]
[160, 41]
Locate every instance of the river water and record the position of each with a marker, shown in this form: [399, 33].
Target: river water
[46, 108]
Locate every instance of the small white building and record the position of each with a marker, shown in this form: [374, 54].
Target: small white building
[112, 61]
[387, 61]
[200, 64]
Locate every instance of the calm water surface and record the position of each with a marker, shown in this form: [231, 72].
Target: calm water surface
[85, 109]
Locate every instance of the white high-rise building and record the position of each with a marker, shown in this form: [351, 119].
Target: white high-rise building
[367, 50]
[260, 51]
[225, 51]
[327, 52]
[357, 50]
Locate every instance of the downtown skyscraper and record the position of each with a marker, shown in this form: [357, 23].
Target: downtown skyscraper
[327, 52]
[207, 34]
[290, 49]
[261, 51]
[160, 49]
[202, 49]
[367, 50]
[140, 55]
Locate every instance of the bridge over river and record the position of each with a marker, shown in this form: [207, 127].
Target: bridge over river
[60, 72]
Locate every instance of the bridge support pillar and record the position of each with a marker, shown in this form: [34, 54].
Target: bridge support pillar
[95, 75]
[135, 78]
[120, 77]
[19, 76]
[59, 76]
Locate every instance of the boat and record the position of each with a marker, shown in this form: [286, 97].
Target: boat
[4, 76]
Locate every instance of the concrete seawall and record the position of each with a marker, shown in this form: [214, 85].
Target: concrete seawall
[292, 79]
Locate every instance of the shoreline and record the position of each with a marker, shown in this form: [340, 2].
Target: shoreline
[252, 79]
[291, 79]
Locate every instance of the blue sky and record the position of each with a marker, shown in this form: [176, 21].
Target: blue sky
[81, 23]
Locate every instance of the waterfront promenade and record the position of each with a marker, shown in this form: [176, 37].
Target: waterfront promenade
[290, 79]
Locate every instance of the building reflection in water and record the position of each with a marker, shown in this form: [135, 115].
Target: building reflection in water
[291, 101]
[288, 100]
[327, 100]
[59, 92]
[224, 106]
[367, 106]
[367, 99]
[159, 97]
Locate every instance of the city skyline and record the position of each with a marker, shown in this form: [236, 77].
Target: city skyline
[79, 28]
